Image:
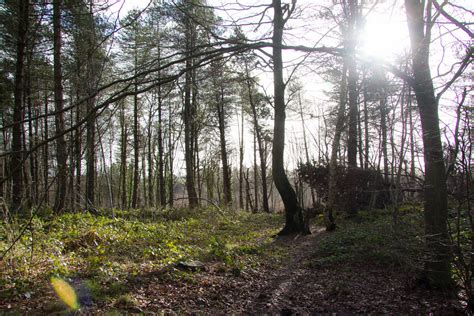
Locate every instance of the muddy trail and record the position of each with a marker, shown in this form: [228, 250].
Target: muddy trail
[295, 284]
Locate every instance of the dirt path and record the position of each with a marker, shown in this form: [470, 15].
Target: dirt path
[280, 293]
[294, 285]
[291, 285]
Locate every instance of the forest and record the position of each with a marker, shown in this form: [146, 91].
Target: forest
[236, 156]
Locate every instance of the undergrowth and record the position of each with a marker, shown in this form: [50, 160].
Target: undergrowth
[104, 250]
[372, 239]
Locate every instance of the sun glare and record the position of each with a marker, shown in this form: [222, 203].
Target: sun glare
[384, 38]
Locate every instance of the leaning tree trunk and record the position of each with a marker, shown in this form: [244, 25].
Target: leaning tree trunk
[437, 269]
[294, 221]
[61, 153]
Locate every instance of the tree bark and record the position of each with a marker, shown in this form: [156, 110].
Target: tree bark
[350, 45]
[61, 153]
[189, 119]
[91, 65]
[223, 147]
[383, 127]
[332, 185]
[16, 147]
[136, 141]
[294, 222]
[437, 269]
[260, 145]
[123, 158]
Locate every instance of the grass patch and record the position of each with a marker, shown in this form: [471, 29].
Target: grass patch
[374, 240]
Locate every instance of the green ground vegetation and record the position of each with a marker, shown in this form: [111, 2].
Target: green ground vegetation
[104, 250]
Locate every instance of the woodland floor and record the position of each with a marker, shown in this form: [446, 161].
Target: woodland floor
[294, 279]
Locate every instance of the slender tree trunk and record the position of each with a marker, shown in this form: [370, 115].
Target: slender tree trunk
[61, 153]
[332, 185]
[150, 144]
[294, 222]
[31, 136]
[366, 131]
[123, 159]
[305, 143]
[189, 120]
[16, 154]
[255, 173]
[383, 127]
[46, 149]
[91, 157]
[223, 147]
[241, 158]
[161, 176]
[412, 134]
[259, 141]
[91, 74]
[136, 144]
[350, 45]
[437, 269]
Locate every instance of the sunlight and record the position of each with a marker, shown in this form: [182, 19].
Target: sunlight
[384, 37]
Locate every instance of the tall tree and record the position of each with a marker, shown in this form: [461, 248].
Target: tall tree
[437, 269]
[61, 151]
[189, 118]
[351, 9]
[221, 84]
[257, 110]
[16, 156]
[294, 221]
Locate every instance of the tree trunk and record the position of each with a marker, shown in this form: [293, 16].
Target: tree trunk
[16, 152]
[61, 153]
[437, 269]
[161, 175]
[91, 158]
[261, 150]
[150, 149]
[170, 160]
[305, 143]
[123, 159]
[350, 45]
[189, 120]
[46, 149]
[136, 141]
[294, 222]
[366, 131]
[241, 159]
[383, 127]
[332, 185]
[255, 173]
[223, 147]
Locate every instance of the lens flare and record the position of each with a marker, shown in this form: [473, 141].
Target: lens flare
[65, 292]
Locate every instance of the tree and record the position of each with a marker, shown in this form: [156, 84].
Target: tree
[437, 270]
[258, 110]
[16, 161]
[294, 221]
[221, 84]
[61, 150]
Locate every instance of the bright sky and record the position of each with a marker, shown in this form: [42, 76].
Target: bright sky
[385, 37]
